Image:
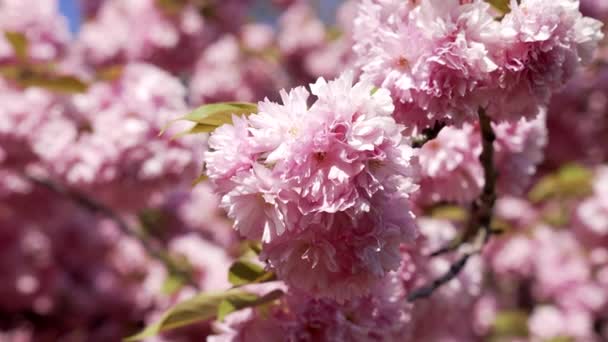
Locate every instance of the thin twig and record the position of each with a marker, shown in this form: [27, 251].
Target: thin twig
[427, 291]
[428, 134]
[479, 223]
[454, 270]
[483, 206]
[95, 207]
[450, 247]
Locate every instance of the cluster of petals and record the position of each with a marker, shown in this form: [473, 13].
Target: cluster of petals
[519, 150]
[115, 142]
[196, 210]
[561, 270]
[565, 281]
[44, 28]
[31, 119]
[238, 68]
[453, 303]
[383, 315]
[577, 119]
[592, 213]
[326, 178]
[543, 44]
[112, 284]
[443, 60]
[450, 166]
[171, 36]
[309, 47]
[324, 186]
[41, 274]
[433, 56]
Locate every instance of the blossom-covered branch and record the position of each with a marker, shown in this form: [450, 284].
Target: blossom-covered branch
[96, 207]
[478, 227]
[380, 183]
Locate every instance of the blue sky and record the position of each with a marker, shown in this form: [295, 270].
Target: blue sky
[70, 9]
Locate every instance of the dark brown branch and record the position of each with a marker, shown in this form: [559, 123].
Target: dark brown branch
[455, 269]
[428, 134]
[428, 290]
[95, 207]
[479, 223]
[482, 208]
[451, 247]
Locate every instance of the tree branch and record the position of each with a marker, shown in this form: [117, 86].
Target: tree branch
[479, 223]
[454, 270]
[428, 134]
[95, 207]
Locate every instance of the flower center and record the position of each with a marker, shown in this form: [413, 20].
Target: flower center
[403, 63]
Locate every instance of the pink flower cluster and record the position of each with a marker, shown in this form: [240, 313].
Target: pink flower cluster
[46, 32]
[592, 214]
[309, 47]
[560, 271]
[72, 269]
[301, 318]
[118, 143]
[577, 120]
[170, 36]
[26, 115]
[383, 316]
[450, 166]
[324, 186]
[67, 269]
[443, 60]
[101, 231]
[238, 68]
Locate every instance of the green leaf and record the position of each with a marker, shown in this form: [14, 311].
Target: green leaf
[109, 73]
[224, 309]
[203, 177]
[211, 116]
[243, 272]
[255, 247]
[32, 77]
[556, 216]
[196, 129]
[500, 226]
[217, 114]
[60, 84]
[575, 180]
[203, 307]
[19, 43]
[172, 284]
[248, 250]
[230, 305]
[571, 181]
[545, 188]
[500, 5]
[449, 212]
[560, 339]
[333, 34]
[510, 324]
